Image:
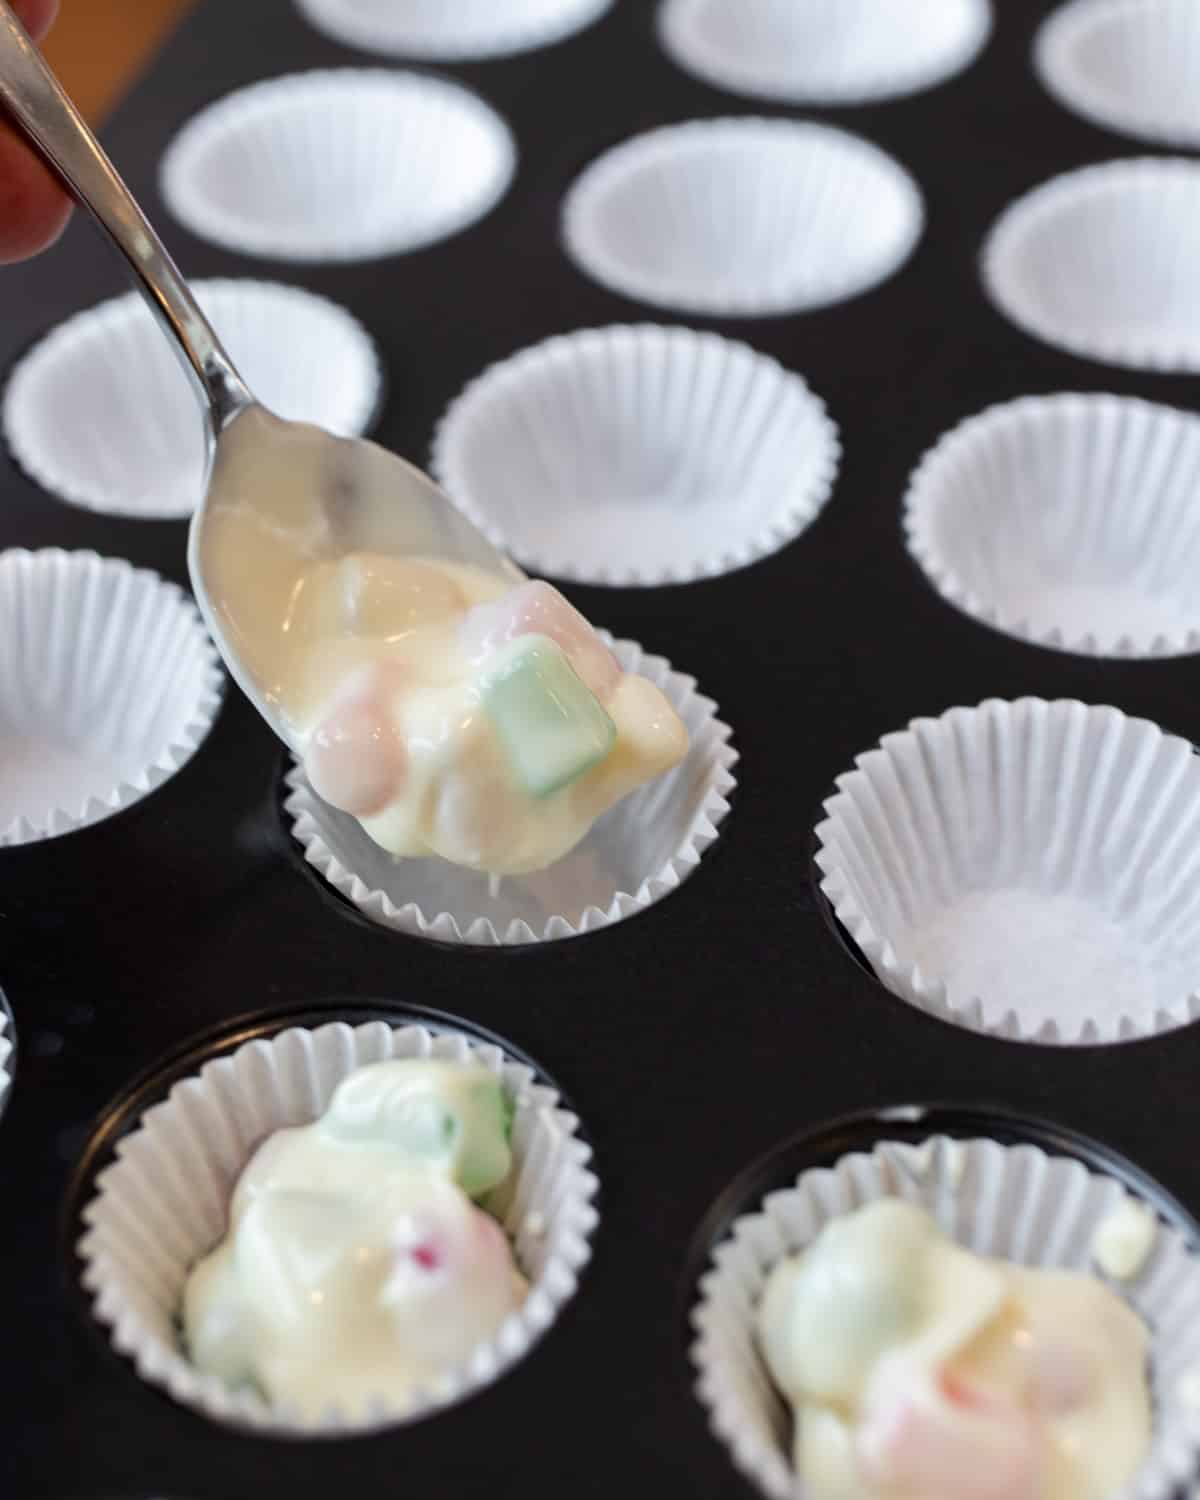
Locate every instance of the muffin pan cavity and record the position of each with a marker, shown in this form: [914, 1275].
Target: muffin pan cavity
[1025, 869]
[175, 1171]
[108, 685]
[338, 165]
[823, 51]
[711, 455]
[466, 30]
[1105, 263]
[742, 217]
[1071, 521]
[1129, 65]
[135, 446]
[1009, 1196]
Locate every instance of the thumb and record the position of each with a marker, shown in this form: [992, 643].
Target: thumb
[34, 208]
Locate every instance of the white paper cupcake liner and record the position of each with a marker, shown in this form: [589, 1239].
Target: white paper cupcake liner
[467, 29]
[108, 684]
[1025, 869]
[824, 51]
[1128, 65]
[638, 455]
[164, 1204]
[636, 854]
[1105, 263]
[135, 444]
[704, 216]
[6, 1051]
[1013, 1202]
[1070, 520]
[338, 165]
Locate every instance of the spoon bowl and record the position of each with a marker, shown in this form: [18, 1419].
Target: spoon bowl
[304, 495]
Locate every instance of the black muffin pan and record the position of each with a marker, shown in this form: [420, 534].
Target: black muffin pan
[692, 1038]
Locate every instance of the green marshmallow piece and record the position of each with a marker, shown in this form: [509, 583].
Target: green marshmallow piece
[552, 726]
[452, 1117]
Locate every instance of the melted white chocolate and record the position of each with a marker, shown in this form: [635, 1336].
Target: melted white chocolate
[355, 1266]
[376, 667]
[918, 1371]
[1123, 1242]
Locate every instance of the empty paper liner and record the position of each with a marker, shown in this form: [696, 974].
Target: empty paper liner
[108, 685]
[1129, 65]
[338, 165]
[460, 31]
[1105, 263]
[164, 1204]
[823, 51]
[1025, 869]
[742, 217]
[136, 444]
[1072, 521]
[637, 853]
[638, 455]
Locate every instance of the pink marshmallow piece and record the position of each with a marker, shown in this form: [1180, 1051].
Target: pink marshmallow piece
[1060, 1376]
[463, 1248]
[428, 1255]
[356, 760]
[537, 608]
[948, 1440]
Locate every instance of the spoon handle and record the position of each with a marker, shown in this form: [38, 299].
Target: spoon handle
[38, 102]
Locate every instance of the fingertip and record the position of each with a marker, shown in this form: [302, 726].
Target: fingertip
[34, 208]
[37, 16]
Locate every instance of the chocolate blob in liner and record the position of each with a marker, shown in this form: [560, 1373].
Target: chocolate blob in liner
[122, 1116]
[908, 1124]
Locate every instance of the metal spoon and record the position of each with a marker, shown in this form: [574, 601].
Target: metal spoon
[354, 495]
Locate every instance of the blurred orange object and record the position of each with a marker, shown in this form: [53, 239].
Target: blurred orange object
[98, 47]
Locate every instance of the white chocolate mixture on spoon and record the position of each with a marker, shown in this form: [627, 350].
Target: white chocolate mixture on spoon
[451, 712]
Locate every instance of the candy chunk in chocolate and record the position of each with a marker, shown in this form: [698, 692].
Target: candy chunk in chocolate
[451, 1116]
[939, 1437]
[356, 760]
[552, 727]
[536, 608]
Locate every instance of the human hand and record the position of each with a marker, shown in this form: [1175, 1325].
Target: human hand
[34, 207]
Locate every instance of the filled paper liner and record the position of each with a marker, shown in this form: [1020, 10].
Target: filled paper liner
[6, 1052]
[638, 455]
[1070, 520]
[1128, 65]
[703, 216]
[336, 165]
[135, 445]
[164, 1204]
[108, 684]
[1025, 869]
[463, 31]
[1014, 1202]
[824, 51]
[1105, 263]
[637, 853]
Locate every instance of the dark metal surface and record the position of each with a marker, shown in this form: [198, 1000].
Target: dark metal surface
[692, 1038]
